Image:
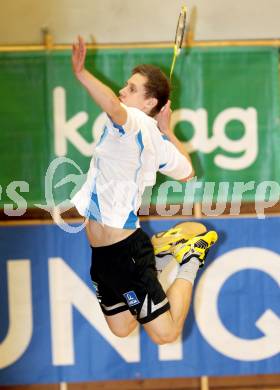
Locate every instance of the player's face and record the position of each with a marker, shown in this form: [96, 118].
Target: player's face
[133, 94]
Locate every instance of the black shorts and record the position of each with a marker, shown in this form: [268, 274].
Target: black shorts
[125, 278]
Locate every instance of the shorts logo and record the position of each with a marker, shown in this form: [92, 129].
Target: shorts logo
[98, 296]
[131, 298]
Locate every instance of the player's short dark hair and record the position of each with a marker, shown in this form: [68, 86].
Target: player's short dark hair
[157, 85]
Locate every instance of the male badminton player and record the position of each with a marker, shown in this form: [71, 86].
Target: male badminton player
[132, 148]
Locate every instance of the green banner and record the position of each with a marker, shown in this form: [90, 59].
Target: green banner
[225, 108]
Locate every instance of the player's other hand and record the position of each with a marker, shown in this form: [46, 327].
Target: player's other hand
[78, 55]
[163, 118]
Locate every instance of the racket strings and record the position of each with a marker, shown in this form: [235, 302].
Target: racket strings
[180, 31]
[179, 36]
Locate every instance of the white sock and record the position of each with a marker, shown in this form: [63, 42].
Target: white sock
[188, 271]
[161, 262]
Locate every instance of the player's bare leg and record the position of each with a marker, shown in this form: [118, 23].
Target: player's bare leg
[122, 324]
[190, 255]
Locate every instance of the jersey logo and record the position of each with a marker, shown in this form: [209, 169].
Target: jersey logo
[131, 298]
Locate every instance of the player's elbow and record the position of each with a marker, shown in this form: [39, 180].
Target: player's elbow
[189, 177]
[189, 168]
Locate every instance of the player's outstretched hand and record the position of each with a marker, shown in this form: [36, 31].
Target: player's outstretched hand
[78, 55]
[163, 118]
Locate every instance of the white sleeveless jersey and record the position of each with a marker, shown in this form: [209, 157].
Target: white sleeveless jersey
[125, 161]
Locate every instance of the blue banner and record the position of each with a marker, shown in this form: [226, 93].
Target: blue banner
[52, 329]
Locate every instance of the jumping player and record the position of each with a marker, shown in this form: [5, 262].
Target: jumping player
[135, 144]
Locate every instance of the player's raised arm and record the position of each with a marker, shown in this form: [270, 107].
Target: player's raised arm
[103, 96]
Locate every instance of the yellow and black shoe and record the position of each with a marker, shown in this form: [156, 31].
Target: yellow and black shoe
[194, 247]
[163, 242]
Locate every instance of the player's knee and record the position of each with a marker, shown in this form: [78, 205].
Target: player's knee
[123, 330]
[165, 337]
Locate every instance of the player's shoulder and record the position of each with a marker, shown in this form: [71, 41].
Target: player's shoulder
[136, 112]
[132, 110]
